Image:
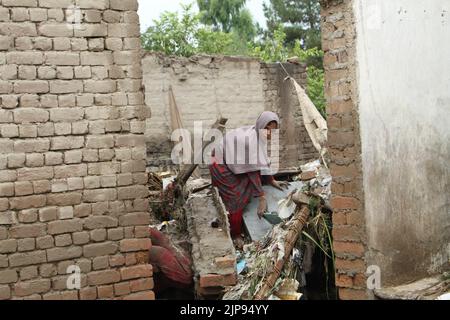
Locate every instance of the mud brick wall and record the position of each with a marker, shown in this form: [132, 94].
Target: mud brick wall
[238, 88]
[350, 244]
[280, 96]
[72, 151]
[204, 87]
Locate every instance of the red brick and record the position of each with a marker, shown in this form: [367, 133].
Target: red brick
[141, 285]
[360, 280]
[340, 106]
[130, 259]
[347, 265]
[146, 295]
[209, 291]
[308, 175]
[89, 293]
[337, 188]
[334, 121]
[69, 295]
[116, 261]
[351, 187]
[103, 277]
[142, 232]
[344, 171]
[346, 233]
[351, 294]
[225, 262]
[339, 218]
[133, 245]
[354, 248]
[105, 292]
[122, 289]
[355, 218]
[216, 280]
[344, 281]
[329, 59]
[344, 203]
[141, 271]
[346, 138]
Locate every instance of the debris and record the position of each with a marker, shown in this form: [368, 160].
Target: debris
[241, 266]
[155, 182]
[296, 225]
[258, 228]
[288, 290]
[272, 218]
[276, 263]
[308, 175]
[311, 166]
[286, 207]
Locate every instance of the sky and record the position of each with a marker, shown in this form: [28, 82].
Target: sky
[151, 9]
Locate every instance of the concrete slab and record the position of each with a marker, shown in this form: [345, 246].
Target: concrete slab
[258, 228]
[213, 253]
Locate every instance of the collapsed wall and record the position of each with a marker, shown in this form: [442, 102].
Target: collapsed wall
[237, 88]
[72, 151]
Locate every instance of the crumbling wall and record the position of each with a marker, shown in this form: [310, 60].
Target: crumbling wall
[350, 244]
[237, 88]
[72, 151]
[281, 97]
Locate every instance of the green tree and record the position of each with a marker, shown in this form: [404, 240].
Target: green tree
[184, 35]
[228, 16]
[172, 34]
[300, 18]
[272, 50]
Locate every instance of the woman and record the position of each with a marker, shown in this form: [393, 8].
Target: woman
[239, 176]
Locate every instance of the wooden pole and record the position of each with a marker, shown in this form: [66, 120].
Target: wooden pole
[187, 170]
[298, 223]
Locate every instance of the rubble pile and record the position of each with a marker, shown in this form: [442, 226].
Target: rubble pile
[260, 258]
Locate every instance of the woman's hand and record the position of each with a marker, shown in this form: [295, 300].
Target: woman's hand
[262, 207]
[280, 185]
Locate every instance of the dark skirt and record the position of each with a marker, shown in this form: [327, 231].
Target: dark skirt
[236, 191]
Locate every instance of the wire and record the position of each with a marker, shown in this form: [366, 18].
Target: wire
[282, 66]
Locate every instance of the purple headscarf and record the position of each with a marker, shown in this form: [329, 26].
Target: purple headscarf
[245, 149]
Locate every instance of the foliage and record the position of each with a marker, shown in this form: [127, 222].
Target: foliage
[316, 76]
[300, 18]
[316, 89]
[172, 34]
[273, 50]
[228, 16]
[185, 36]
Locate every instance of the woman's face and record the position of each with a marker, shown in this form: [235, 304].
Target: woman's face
[271, 126]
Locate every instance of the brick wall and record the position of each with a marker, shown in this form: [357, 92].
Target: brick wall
[280, 96]
[72, 151]
[238, 88]
[350, 245]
